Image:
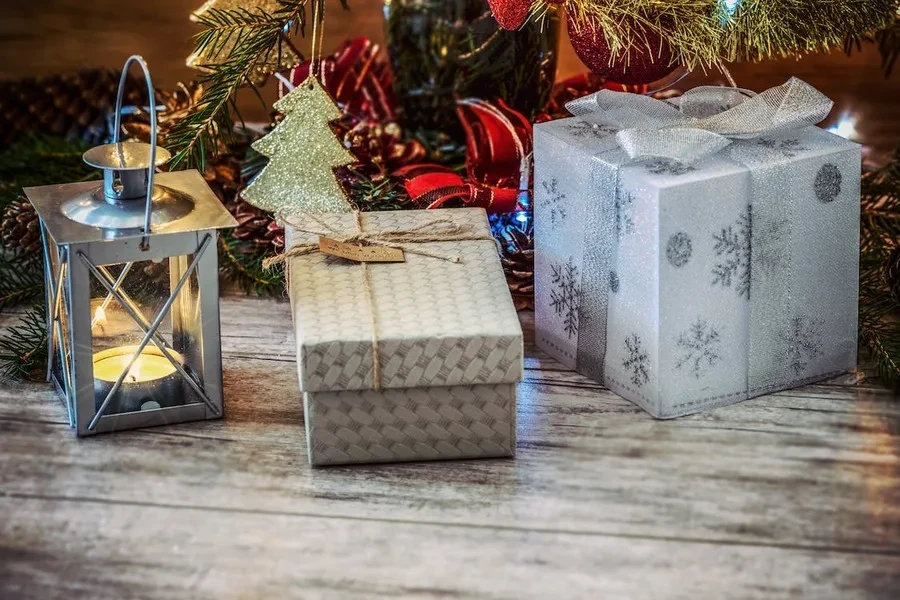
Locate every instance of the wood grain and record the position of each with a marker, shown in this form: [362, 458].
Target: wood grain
[791, 495]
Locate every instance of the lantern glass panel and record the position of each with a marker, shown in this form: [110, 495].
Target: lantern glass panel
[128, 362]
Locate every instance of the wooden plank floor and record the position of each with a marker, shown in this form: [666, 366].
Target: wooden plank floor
[792, 495]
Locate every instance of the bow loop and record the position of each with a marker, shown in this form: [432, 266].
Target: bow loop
[704, 120]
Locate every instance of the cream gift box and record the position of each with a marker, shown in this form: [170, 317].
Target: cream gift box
[685, 285]
[449, 342]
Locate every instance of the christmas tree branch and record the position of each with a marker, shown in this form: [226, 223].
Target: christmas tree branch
[24, 346]
[252, 37]
[707, 33]
[21, 278]
[879, 314]
[243, 266]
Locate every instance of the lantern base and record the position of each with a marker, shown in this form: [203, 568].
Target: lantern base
[91, 208]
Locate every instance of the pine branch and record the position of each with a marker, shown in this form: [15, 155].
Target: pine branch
[707, 33]
[23, 347]
[887, 40]
[21, 279]
[255, 36]
[879, 315]
[41, 160]
[242, 264]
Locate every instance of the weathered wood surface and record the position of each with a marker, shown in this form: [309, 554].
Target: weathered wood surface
[792, 495]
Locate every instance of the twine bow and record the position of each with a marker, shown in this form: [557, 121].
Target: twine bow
[441, 229]
[704, 120]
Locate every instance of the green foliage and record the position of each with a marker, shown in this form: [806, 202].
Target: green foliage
[253, 36]
[710, 33]
[879, 315]
[33, 160]
[242, 265]
[21, 279]
[23, 348]
[442, 51]
[369, 194]
[888, 42]
[41, 160]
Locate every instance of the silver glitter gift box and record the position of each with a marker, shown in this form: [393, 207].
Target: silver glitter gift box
[689, 284]
[449, 342]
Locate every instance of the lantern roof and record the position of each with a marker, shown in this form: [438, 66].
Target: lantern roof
[76, 213]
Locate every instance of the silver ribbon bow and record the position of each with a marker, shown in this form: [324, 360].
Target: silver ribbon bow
[704, 120]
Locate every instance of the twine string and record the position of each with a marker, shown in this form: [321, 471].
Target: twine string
[409, 240]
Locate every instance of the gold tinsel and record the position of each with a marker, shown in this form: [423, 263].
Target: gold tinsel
[279, 59]
[303, 153]
[708, 33]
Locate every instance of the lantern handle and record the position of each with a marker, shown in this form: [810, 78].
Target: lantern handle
[151, 96]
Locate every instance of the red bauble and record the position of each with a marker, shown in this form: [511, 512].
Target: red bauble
[645, 63]
[510, 14]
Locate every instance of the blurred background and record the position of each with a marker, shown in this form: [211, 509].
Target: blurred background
[44, 37]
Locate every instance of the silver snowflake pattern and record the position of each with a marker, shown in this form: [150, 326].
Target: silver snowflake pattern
[698, 348]
[668, 167]
[679, 249]
[788, 148]
[802, 342]
[555, 200]
[583, 129]
[624, 205]
[827, 186]
[613, 282]
[565, 298]
[733, 251]
[637, 363]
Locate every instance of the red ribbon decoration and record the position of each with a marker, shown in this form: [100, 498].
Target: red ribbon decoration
[498, 145]
[433, 186]
[358, 80]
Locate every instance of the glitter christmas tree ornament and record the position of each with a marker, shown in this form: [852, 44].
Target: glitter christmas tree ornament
[303, 153]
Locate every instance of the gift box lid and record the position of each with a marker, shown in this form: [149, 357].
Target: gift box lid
[436, 322]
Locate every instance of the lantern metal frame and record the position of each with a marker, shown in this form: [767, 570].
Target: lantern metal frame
[135, 215]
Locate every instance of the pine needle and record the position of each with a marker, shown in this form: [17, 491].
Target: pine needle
[708, 33]
[23, 348]
[879, 314]
[256, 35]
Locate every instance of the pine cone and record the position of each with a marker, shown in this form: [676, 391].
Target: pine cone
[257, 228]
[892, 273]
[380, 145]
[21, 227]
[517, 256]
[178, 103]
[74, 105]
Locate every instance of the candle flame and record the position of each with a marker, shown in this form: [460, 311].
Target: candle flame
[99, 317]
[134, 373]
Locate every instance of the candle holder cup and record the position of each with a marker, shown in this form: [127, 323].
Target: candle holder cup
[132, 292]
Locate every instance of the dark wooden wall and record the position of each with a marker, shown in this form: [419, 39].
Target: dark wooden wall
[51, 36]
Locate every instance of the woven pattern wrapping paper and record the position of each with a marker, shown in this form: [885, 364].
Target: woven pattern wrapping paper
[448, 335]
[689, 286]
[437, 423]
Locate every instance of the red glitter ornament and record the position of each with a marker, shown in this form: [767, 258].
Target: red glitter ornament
[648, 61]
[510, 14]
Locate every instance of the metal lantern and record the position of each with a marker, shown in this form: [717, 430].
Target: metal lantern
[132, 287]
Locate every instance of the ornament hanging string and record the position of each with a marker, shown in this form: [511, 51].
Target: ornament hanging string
[316, 66]
[435, 230]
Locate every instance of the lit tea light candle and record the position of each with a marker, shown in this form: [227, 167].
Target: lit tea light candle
[151, 382]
